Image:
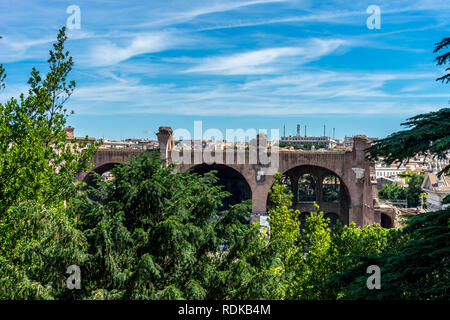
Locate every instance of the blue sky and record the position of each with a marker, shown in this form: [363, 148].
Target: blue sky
[235, 64]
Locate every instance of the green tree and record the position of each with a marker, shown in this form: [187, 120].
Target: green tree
[419, 267]
[37, 244]
[155, 234]
[392, 192]
[443, 58]
[311, 254]
[428, 133]
[414, 191]
[37, 162]
[285, 228]
[38, 239]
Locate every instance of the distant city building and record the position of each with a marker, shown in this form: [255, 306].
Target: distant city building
[130, 144]
[382, 170]
[143, 144]
[381, 181]
[417, 164]
[437, 189]
[326, 142]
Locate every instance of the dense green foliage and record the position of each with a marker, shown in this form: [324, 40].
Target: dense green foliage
[38, 240]
[152, 233]
[155, 234]
[414, 190]
[37, 244]
[413, 193]
[304, 146]
[418, 269]
[315, 251]
[392, 192]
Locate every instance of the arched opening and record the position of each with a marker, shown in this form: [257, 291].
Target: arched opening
[232, 180]
[103, 170]
[306, 189]
[331, 188]
[311, 184]
[386, 221]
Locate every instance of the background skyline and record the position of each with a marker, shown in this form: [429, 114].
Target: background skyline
[235, 64]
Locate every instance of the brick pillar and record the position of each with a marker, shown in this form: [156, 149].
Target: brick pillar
[69, 132]
[362, 207]
[260, 193]
[360, 144]
[165, 141]
[259, 200]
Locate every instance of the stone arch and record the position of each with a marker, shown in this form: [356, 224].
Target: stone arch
[331, 188]
[306, 188]
[101, 169]
[232, 180]
[341, 208]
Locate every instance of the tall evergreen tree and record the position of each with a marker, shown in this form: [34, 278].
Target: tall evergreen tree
[420, 267]
[38, 239]
[443, 58]
[156, 234]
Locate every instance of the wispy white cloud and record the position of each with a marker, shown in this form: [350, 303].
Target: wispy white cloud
[306, 92]
[342, 15]
[191, 61]
[262, 61]
[109, 53]
[180, 16]
[328, 17]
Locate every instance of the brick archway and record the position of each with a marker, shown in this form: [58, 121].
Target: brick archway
[231, 179]
[341, 207]
[101, 169]
[355, 172]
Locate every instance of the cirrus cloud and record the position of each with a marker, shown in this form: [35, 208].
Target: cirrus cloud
[263, 61]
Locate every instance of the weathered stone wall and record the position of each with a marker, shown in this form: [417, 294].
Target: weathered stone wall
[353, 170]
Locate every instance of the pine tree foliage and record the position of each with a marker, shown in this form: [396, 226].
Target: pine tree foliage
[443, 58]
[428, 134]
[37, 245]
[156, 234]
